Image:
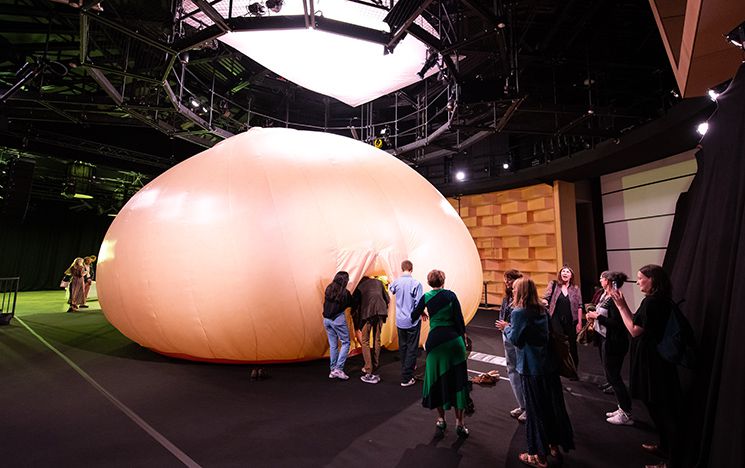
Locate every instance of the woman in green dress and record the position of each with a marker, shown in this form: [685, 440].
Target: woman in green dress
[446, 375]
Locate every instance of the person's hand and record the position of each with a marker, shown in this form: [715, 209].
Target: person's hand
[618, 298]
[501, 324]
[591, 315]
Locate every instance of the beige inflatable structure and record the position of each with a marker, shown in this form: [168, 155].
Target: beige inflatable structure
[225, 256]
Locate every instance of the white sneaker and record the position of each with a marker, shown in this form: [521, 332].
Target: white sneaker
[409, 383]
[523, 416]
[369, 378]
[340, 374]
[515, 413]
[332, 374]
[621, 419]
[610, 414]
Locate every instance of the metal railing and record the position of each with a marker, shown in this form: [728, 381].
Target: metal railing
[8, 295]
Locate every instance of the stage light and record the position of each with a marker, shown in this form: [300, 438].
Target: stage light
[274, 5]
[702, 128]
[255, 9]
[737, 36]
[717, 90]
[460, 176]
[194, 102]
[713, 94]
[505, 165]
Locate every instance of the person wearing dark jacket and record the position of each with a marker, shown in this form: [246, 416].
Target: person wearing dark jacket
[336, 300]
[369, 313]
[614, 345]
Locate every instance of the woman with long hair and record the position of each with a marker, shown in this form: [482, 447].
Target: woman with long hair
[565, 308]
[77, 284]
[614, 344]
[653, 380]
[336, 300]
[446, 374]
[548, 426]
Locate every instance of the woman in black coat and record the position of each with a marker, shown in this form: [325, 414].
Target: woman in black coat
[653, 380]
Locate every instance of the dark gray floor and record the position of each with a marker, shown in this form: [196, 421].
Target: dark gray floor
[216, 416]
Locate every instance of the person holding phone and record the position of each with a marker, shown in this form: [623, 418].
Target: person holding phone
[614, 345]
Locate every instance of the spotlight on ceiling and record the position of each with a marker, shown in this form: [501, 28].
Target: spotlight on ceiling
[505, 165]
[460, 176]
[737, 36]
[79, 181]
[194, 102]
[274, 5]
[717, 90]
[702, 128]
[255, 9]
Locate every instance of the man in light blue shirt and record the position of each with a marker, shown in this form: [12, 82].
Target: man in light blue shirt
[408, 292]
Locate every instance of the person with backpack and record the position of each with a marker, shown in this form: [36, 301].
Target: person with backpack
[653, 379]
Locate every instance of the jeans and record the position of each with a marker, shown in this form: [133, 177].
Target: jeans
[408, 346]
[337, 331]
[510, 356]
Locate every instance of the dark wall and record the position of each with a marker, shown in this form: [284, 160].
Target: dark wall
[40, 248]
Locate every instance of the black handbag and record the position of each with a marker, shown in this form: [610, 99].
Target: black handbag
[559, 346]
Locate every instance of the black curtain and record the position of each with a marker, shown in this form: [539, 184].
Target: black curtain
[40, 249]
[707, 265]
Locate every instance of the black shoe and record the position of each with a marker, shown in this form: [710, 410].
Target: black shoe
[462, 431]
[608, 390]
[603, 385]
[83, 306]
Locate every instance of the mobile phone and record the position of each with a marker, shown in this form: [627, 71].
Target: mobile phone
[615, 285]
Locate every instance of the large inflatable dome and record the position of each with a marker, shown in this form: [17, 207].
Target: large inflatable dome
[225, 256]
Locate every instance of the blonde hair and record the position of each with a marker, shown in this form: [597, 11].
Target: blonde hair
[526, 293]
[74, 262]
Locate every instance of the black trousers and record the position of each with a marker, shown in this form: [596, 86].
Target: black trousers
[408, 348]
[612, 356]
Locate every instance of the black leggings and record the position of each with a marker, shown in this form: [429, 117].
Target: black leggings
[612, 357]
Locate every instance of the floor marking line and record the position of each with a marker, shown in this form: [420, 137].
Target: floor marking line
[160, 438]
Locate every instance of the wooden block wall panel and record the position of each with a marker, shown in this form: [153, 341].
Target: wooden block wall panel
[517, 218]
[513, 229]
[483, 231]
[517, 241]
[518, 254]
[536, 191]
[514, 207]
[487, 210]
[545, 253]
[542, 240]
[543, 215]
[490, 220]
[540, 204]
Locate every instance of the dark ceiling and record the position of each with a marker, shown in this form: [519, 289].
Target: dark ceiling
[109, 83]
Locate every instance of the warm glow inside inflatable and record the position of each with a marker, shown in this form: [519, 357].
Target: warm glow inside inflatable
[225, 256]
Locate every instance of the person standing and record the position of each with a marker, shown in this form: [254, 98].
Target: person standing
[510, 353]
[547, 426]
[370, 312]
[565, 308]
[89, 275]
[446, 375]
[614, 344]
[336, 300]
[408, 292]
[653, 380]
[77, 284]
